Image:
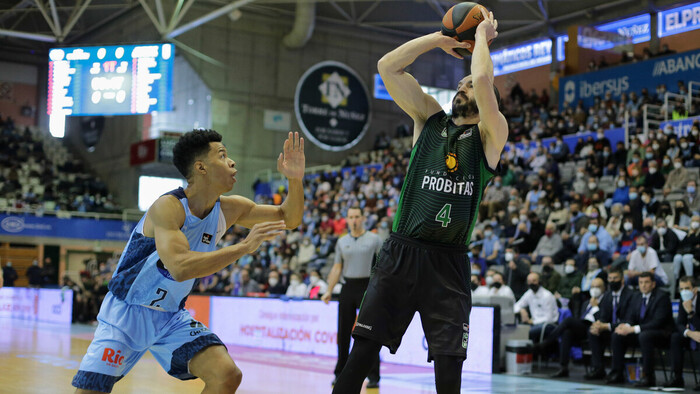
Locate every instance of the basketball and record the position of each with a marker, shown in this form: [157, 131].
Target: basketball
[461, 21]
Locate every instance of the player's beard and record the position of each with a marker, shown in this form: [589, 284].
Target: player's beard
[465, 108]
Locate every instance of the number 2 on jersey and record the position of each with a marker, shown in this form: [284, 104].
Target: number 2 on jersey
[444, 215]
[159, 291]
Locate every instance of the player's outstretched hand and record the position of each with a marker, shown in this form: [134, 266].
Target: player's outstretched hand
[291, 162]
[448, 44]
[326, 297]
[489, 26]
[262, 232]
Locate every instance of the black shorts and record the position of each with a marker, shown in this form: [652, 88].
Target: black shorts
[411, 275]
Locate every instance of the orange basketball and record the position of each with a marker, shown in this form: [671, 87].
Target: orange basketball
[461, 21]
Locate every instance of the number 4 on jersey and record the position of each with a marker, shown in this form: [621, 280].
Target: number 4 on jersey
[444, 215]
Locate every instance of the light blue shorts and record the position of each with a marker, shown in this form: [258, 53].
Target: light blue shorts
[125, 332]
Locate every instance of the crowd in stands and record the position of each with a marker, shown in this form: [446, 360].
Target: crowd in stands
[609, 215]
[33, 177]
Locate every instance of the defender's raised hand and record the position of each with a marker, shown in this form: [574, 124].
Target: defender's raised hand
[291, 162]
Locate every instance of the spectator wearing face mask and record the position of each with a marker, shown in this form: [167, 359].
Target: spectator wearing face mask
[482, 289]
[664, 241]
[317, 286]
[621, 193]
[543, 308]
[688, 250]
[687, 332]
[274, 285]
[594, 271]
[678, 178]
[613, 307]
[604, 241]
[644, 259]
[648, 206]
[297, 288]
[627, 243]
[515, 272]
[655, 178]
[495, 286]
[548, 245]
[549, 277]
[491, 246]
[691, 197]
[570, 281]
[574, 329]
[592, 250]
[680, 218]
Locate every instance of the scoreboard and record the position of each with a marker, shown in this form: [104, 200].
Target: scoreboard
[110, 80]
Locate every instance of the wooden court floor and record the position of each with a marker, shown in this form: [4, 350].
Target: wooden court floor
[42, 358]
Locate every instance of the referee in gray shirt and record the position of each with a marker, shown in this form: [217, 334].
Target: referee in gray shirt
[354, 256]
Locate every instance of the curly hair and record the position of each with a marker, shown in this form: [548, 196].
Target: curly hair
[190, 146]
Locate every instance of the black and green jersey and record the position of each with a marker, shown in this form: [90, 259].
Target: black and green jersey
[445, 181]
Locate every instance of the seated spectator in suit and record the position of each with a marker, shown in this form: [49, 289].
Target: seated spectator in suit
[548, 245]
[549, 277]
[592, 250]
[664, 241]
[687, 333]
[644, 259]
[688, 249]
[570, 283]
[515, 272]
[542, 305]
[613, 306]
[648, 323]
[574, 328]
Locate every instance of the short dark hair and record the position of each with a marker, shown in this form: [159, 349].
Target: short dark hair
[687, 279]
[192, 145]
[616, 270]
[647, 274]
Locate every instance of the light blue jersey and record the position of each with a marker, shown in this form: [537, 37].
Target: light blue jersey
[144, 309]
[141, 278]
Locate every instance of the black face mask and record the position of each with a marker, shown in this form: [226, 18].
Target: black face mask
[534, 287]
[547, 268]
[474, 286]
[648, 229]
[616, 286]
[497, 285]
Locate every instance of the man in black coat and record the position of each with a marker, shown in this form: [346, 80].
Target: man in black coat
[613, 306]
[515, 272]
[687, 334]
[648, 323]
[574, 328]
[667, 249]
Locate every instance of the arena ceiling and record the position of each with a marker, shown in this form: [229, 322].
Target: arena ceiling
[40, 24]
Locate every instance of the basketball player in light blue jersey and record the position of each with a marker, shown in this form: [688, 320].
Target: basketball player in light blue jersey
[172, 245]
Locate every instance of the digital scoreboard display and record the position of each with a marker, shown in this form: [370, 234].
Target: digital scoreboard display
[110, 80]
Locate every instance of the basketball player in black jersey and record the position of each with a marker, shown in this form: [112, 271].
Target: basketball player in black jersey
[423, 266]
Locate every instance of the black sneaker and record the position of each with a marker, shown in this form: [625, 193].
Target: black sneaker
[373, 385]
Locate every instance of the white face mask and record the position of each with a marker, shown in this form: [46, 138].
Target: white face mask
[652, 170]
[489, 280]
[514, 221]
[313, 280]
[523, 218]
[677, 164]
[627, 226]
[557, 205]
[273, 282]
[695, 225]
[568, 269]
[294, 282]
[592, 185]
[509, 256]
[662, 230]
[595, 292]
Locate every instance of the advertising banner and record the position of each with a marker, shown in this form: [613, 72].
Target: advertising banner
[681, 127]
[332, 106]
[679, 20]
[45, 305]
[311, 327]
[48, 226]
[629, 78]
